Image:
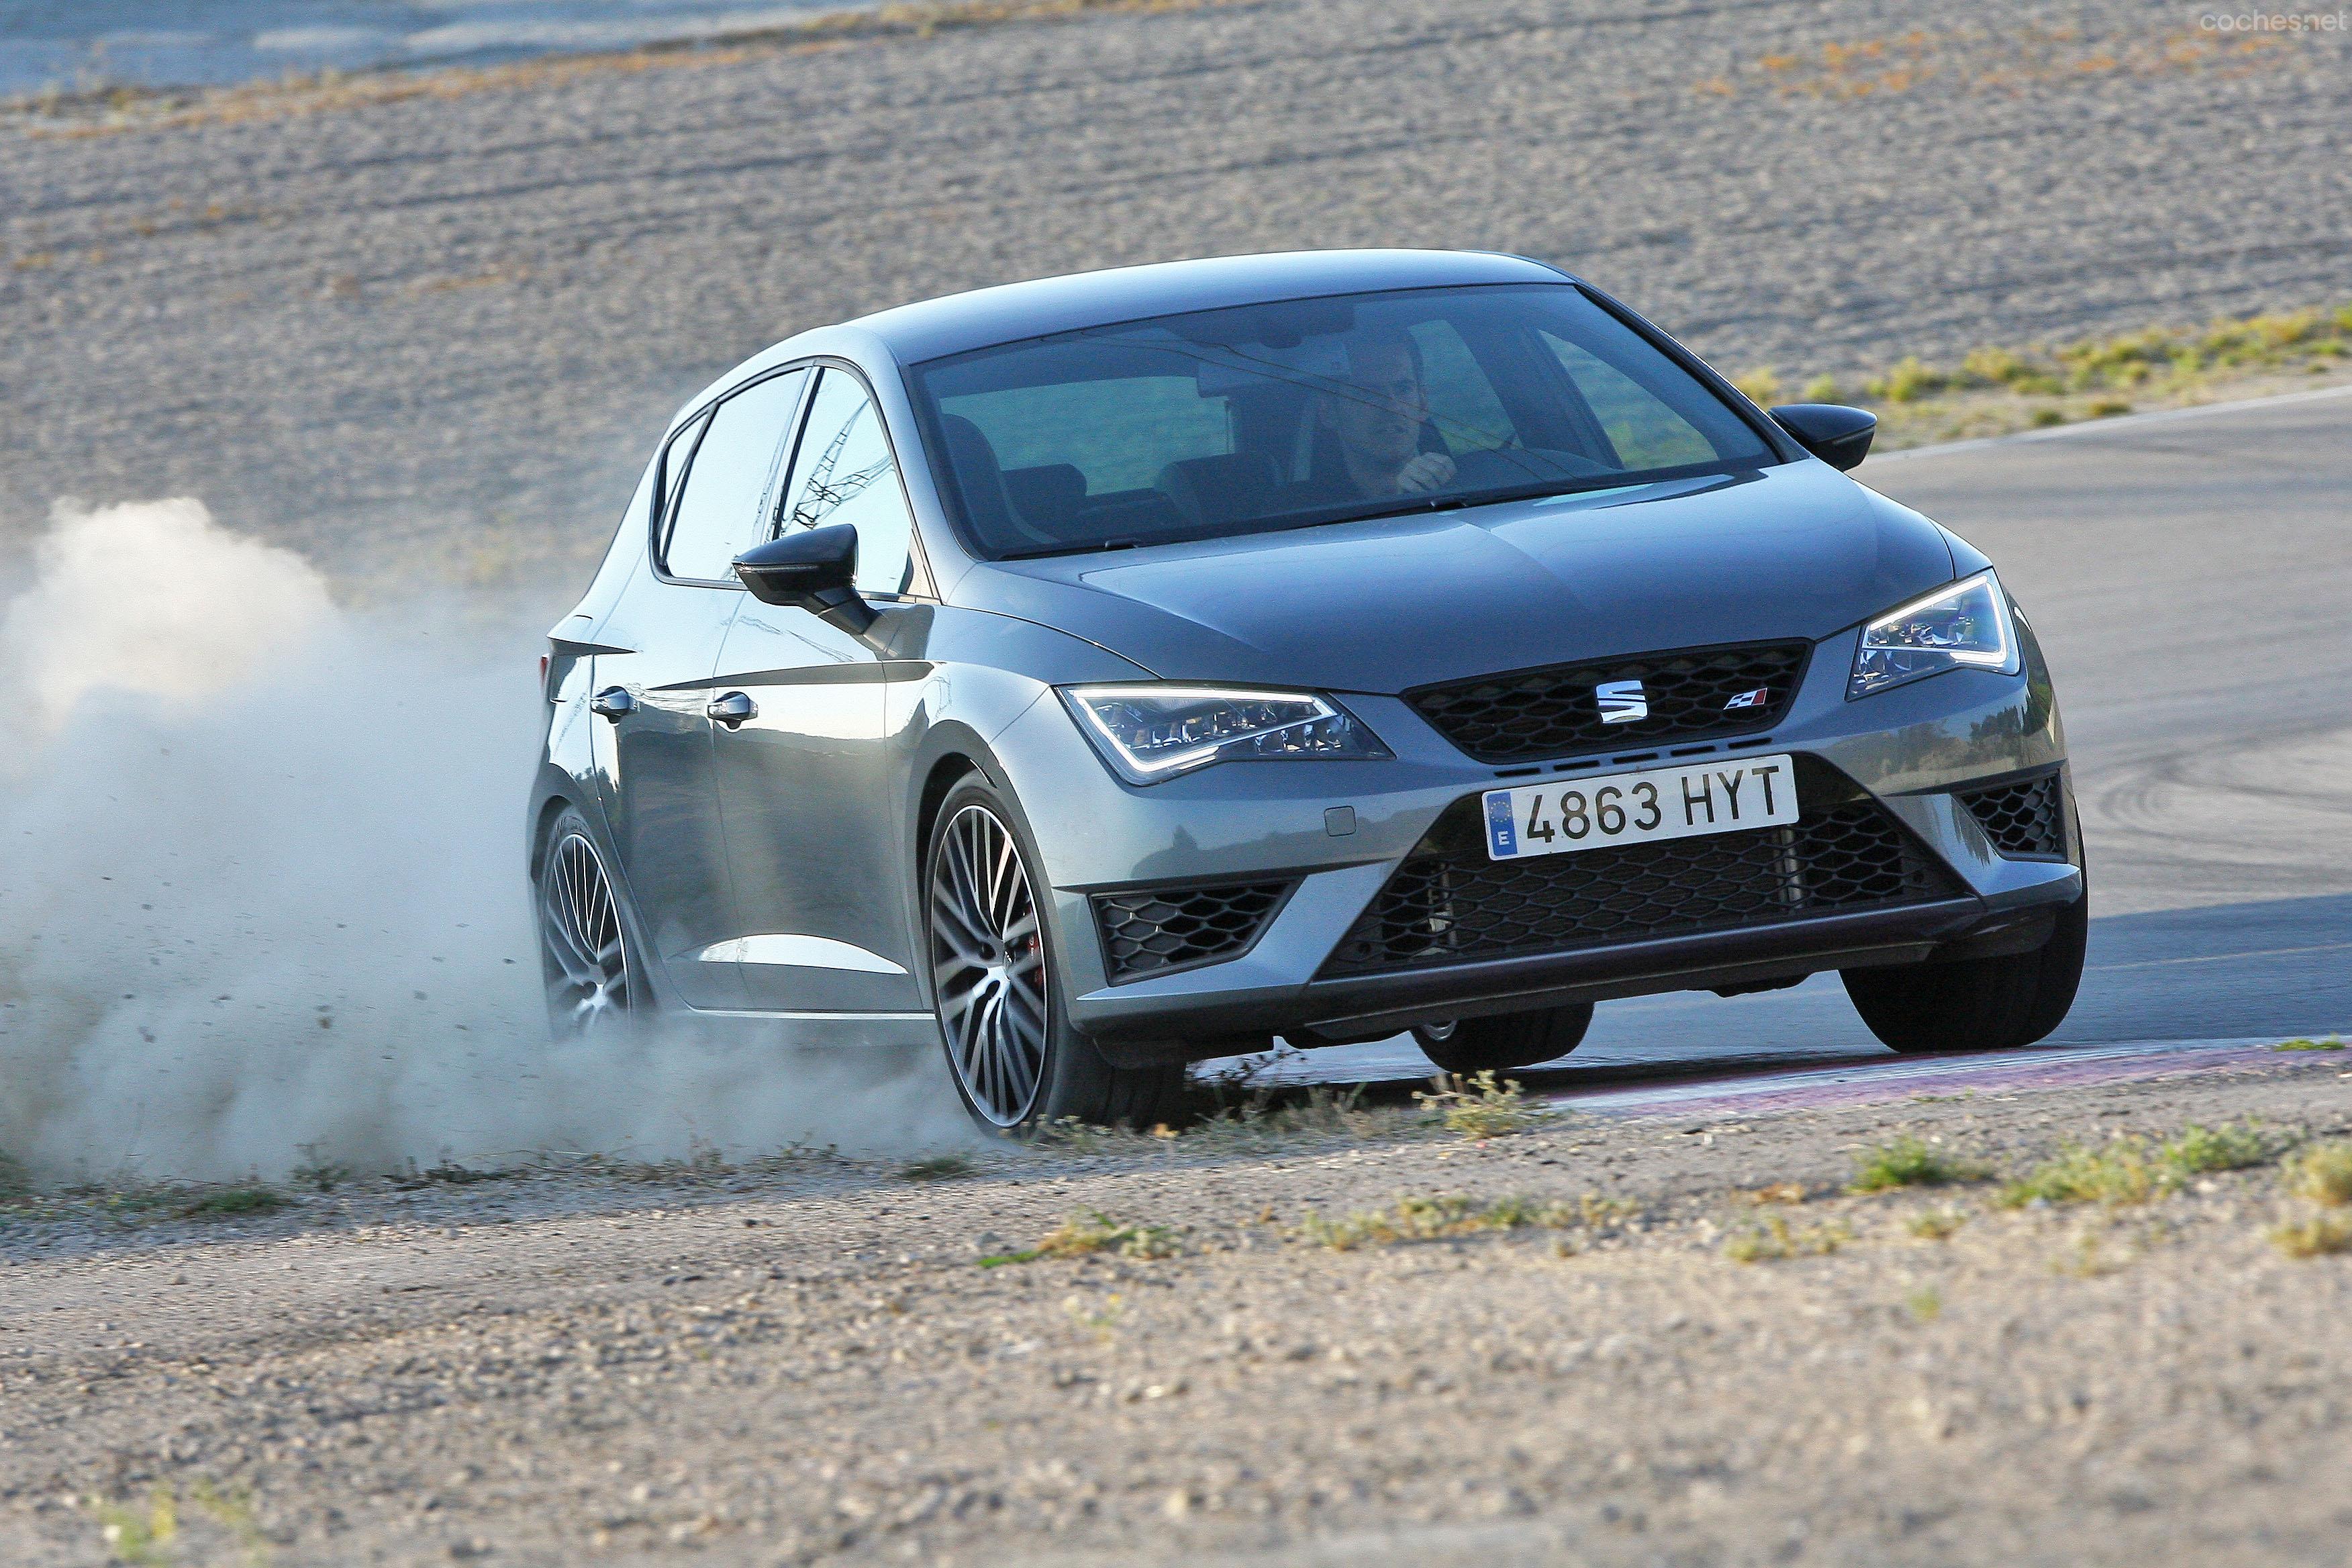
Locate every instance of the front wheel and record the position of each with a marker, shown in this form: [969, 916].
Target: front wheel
[1976, 1004]
[1017, 1063]
[1503, 1041]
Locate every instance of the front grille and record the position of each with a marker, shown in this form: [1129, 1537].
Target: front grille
[1148, 929]
[1535, 713]
[2027, 817]
[1448, 904]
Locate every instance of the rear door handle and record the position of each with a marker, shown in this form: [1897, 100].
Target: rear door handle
[614, 703]
[733, 709]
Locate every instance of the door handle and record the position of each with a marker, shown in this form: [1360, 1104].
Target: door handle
[733, 709]
[614, 703]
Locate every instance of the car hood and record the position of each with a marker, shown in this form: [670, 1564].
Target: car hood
[1384, 606]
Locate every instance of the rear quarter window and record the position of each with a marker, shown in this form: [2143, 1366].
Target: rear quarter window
[1118, 433]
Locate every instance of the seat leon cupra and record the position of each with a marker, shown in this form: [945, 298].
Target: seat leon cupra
[1103, 673]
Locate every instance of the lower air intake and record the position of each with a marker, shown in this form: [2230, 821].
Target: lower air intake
[2024, 818]
[1148, 930]
[1448, 904]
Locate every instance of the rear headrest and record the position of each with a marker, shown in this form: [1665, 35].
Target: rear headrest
[1047, 497]
[980, 478]
[1222, 489]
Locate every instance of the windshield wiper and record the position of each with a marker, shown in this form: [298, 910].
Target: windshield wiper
[1090, 548]
[1456, 502]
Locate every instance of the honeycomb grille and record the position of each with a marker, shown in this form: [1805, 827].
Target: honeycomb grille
[1535, 714]
[1150, 930]
[2024, 818]
[1448, 904]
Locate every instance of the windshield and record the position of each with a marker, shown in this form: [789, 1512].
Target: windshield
[1311, 411]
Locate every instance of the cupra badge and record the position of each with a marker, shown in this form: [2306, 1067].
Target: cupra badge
[1622, 701]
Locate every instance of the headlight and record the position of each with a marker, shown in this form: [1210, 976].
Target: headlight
[1965, 625]
[1151, 732]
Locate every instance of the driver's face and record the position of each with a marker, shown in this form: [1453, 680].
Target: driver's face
[1380, 417]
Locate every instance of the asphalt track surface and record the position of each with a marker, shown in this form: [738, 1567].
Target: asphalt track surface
[2188, 577]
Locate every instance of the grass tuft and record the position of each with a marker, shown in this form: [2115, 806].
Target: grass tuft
[231, 1202]
[937, 1168]
[1776, 1239]
[2331, 1043]
[2200, 1151]
[2133, 1171]
[2322, 1172]
[1084, 1235]
[1452, 1214]
[1479, 1107]
[2321, 1236]
[1266, 1114]
[1775, 1193]
[1909, 381]
[139, 1535]
[1909, 1162]
[1936, 1224]
[1925, 1304]
[317, 1172]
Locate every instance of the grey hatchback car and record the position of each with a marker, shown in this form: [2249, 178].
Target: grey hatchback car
[1104, 673]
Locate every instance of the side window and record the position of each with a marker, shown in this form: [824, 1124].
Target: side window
[1646, 431]
[844, 473]
[729, 480]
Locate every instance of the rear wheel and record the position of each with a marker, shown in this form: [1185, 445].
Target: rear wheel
[584, 946]
[1976, 1004]
[1503, 1041]
[1016, 1061]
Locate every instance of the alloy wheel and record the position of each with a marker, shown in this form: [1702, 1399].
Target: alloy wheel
[580, 927]
[988, 965]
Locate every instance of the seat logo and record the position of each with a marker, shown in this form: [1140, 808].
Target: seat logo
[1622, 701]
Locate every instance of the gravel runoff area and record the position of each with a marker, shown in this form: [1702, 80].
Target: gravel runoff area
[437, 335]
[1704, 1351]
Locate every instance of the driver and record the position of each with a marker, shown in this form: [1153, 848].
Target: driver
[1377, 419]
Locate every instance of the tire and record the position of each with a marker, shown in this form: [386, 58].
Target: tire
[595, 985]
[1017, 1063]
[1976, 1004]
[1506, 1040]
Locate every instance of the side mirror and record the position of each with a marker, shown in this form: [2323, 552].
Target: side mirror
[816, 571]
[1837, 434]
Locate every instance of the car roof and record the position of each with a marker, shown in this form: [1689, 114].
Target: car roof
[957, 323]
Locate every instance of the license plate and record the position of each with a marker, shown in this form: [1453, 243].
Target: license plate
[1561, 818]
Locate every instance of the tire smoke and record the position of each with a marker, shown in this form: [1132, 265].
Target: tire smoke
[263, 900]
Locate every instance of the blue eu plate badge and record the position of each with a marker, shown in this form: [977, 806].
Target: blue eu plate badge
[1502, 834]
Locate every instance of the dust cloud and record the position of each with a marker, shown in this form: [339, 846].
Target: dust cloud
[263, 900]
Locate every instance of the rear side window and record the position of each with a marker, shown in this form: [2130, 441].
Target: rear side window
[729, 480]
[844, 472]
[1118, 434]
[1646, 430]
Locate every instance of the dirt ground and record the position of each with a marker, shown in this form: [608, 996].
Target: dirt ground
[824, 1359]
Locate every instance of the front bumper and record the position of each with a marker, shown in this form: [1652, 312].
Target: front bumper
[1915, 752]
